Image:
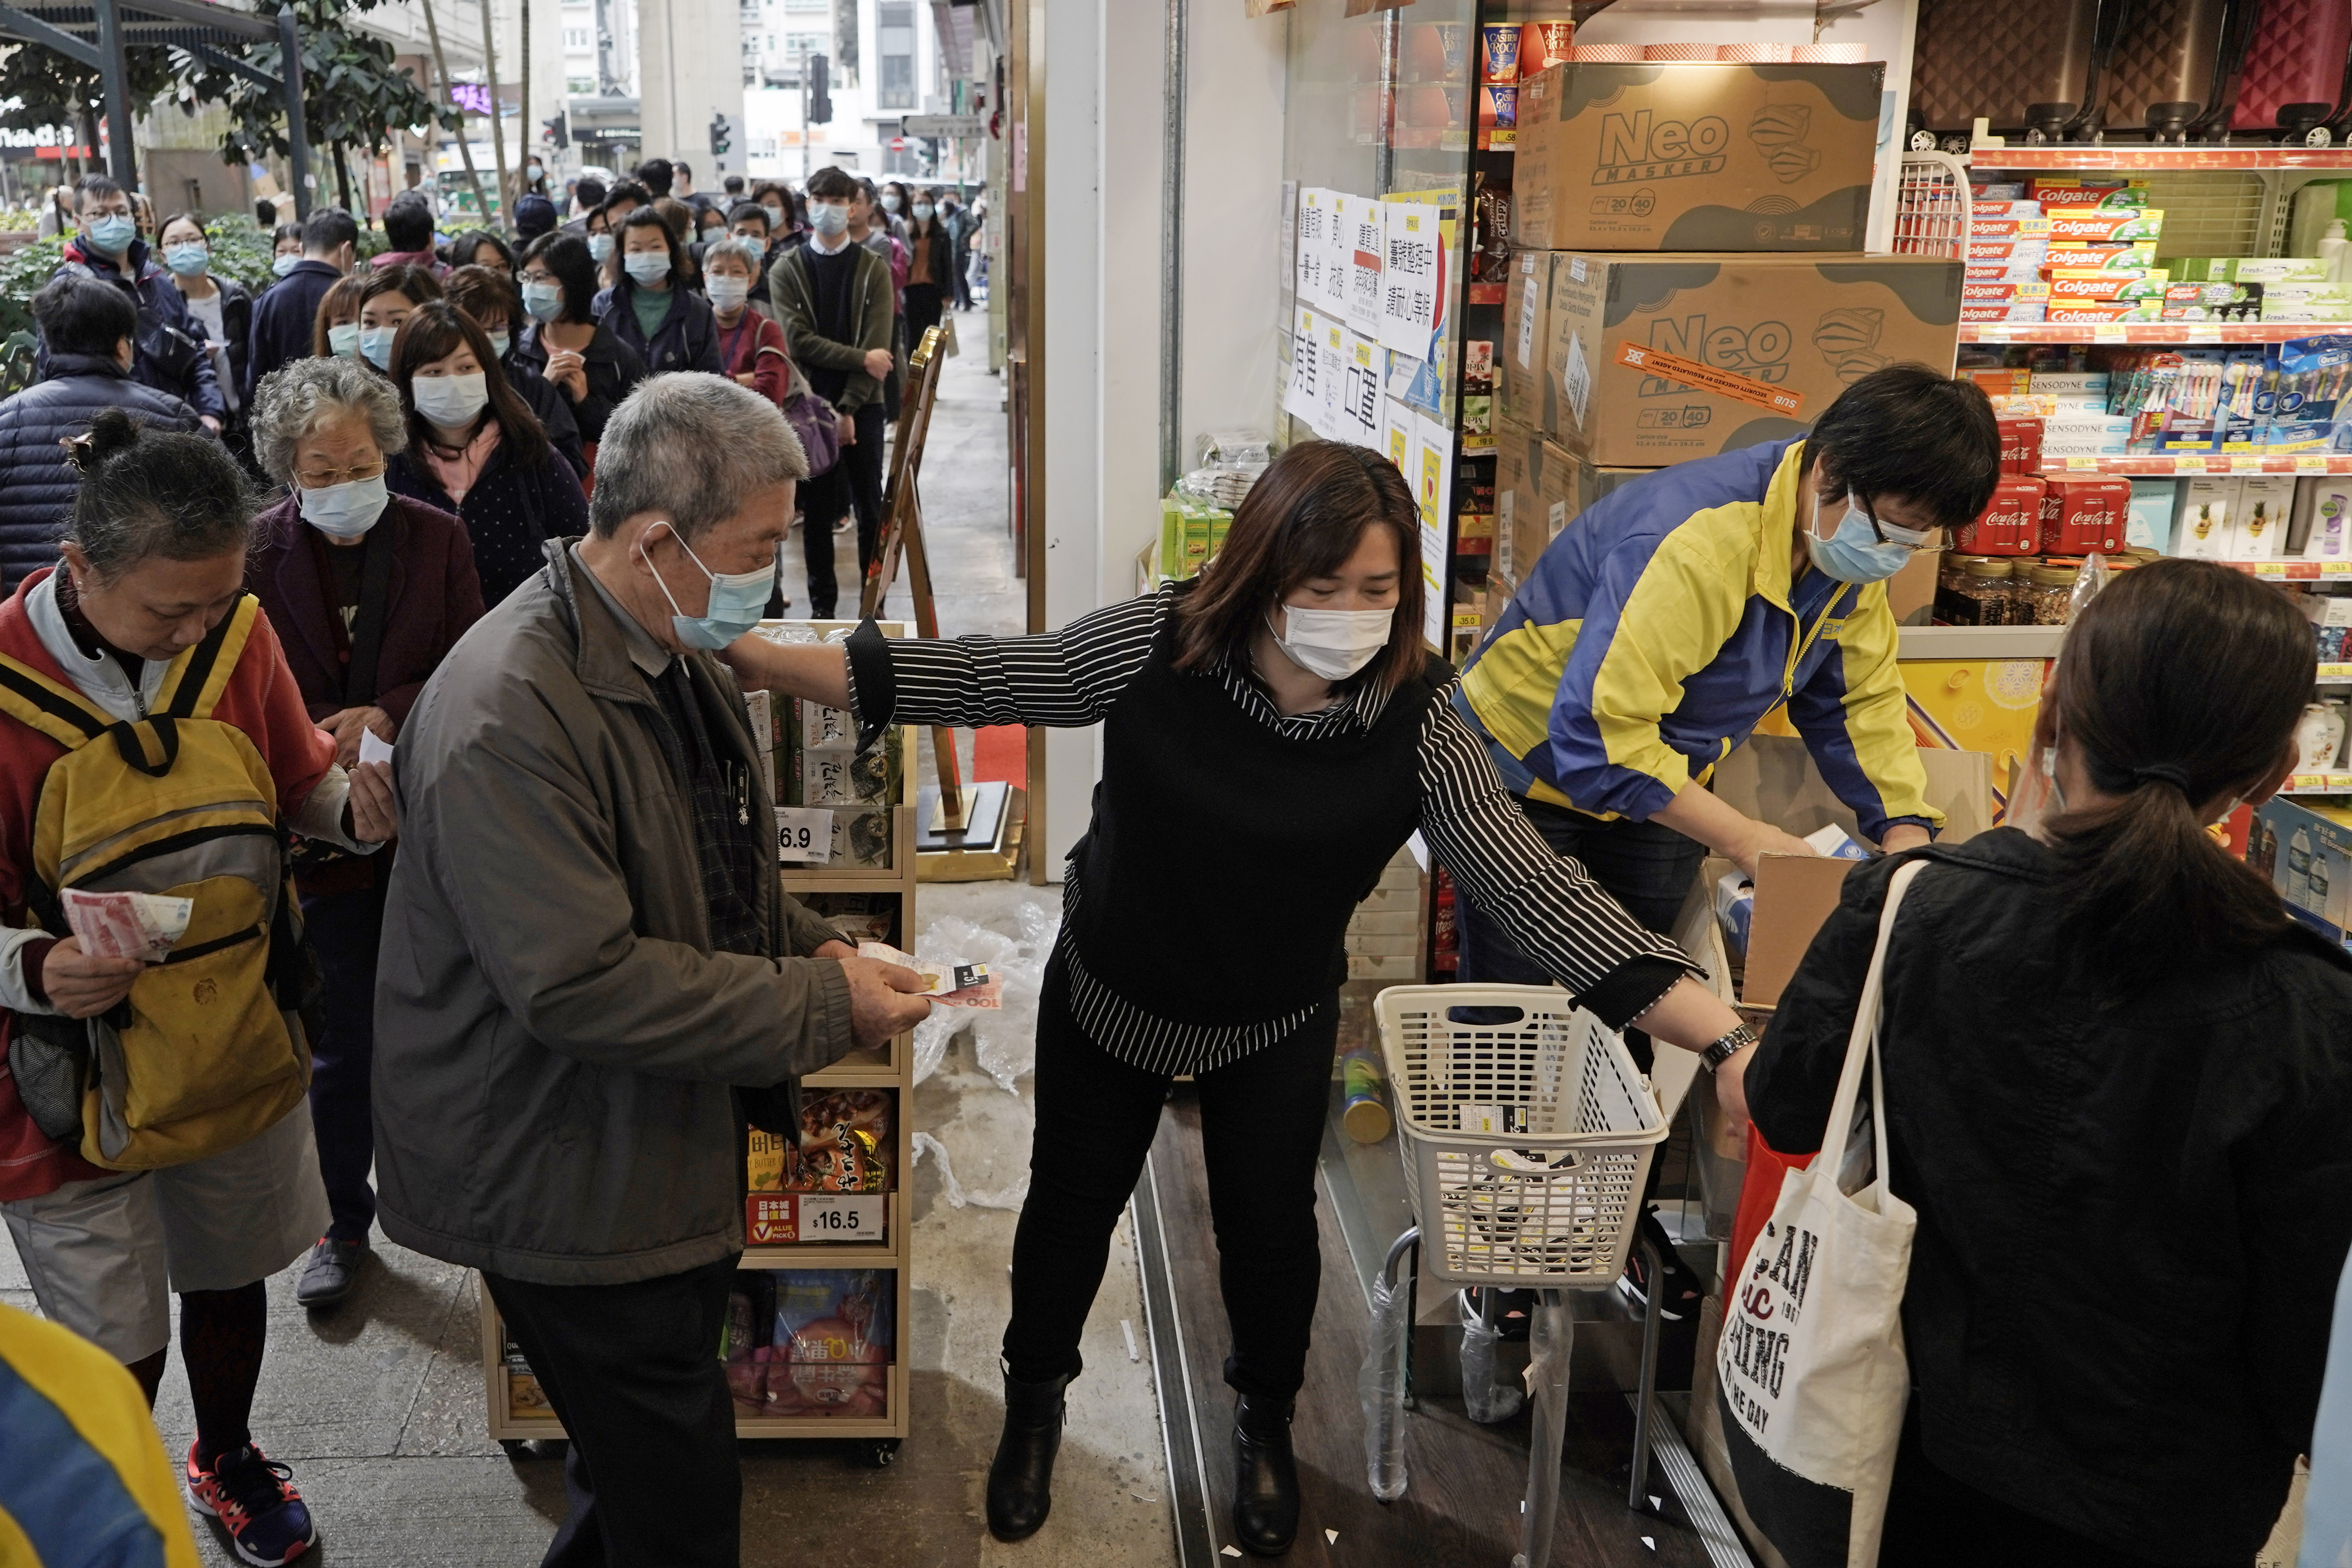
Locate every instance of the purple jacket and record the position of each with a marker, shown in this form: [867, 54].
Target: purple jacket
[435, 598]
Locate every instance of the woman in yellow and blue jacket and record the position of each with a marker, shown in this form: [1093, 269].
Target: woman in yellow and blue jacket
[1675, 614]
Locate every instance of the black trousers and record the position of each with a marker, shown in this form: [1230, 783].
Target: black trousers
[1261, 1127]
[633, 1371]
[346, 929]
[1646, 866]
[922, 313]
[856, 481]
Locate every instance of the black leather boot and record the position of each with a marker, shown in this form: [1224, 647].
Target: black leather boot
[1021, 1478]
[1265, 1480]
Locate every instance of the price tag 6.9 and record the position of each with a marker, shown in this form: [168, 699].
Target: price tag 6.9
[803, 834]
[842, 1217]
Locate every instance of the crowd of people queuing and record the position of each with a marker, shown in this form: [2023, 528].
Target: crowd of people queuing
[245, 528]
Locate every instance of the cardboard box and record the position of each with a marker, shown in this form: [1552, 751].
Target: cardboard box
[2011, 524]
[1656, 359]
[2083, 516]
[2033, 311]
[2305, 847]
[1539, 488]
[1773, 779]
[2258, 529]
[1984, 705]
[1521, 389]
[2201, 530]
[2149, 524]
[1696, 157]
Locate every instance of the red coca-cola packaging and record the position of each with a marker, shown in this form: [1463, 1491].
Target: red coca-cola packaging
[2011, 524]
[2085, 516]
[2020, 443]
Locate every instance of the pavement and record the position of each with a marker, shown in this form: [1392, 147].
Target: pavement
[379, 1407]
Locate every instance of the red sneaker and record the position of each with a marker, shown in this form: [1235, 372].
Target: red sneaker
[255, 1500]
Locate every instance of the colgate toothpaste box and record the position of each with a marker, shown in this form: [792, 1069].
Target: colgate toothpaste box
[2076, 256]
[2097, 311]
[1982, 208]
[2012, 228]
[2073, 284]
[2081, 516]
[2005, 311]
[1980, 292]
[2011, 524]
[2020, 443]
[2104, 225]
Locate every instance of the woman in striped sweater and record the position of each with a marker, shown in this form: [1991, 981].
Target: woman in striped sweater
[1273, 733]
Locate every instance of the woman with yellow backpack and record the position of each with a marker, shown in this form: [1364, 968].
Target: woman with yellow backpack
[155, 761]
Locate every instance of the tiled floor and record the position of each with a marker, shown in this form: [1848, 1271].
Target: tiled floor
[379, 1407]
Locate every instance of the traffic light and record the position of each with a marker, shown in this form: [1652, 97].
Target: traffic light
[559, 134]
[820, 90]
[721, 135]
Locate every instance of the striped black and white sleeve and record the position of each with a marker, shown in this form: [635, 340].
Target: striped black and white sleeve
[1066, 679]
[1554, 910]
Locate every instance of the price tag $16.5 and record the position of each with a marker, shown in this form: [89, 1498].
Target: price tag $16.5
[803, 834]
[841, 1216]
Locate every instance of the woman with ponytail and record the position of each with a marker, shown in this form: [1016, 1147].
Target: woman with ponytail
[2119, 1084]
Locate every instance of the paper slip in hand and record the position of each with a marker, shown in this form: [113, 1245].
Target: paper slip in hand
[989, 993]
[372, 749]
[143, 926]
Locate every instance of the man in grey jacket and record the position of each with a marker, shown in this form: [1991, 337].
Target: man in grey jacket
[589, 971]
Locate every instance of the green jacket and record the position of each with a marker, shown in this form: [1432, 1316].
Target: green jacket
[792, 289]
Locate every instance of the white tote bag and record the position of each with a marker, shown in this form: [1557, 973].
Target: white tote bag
[1811, 1374]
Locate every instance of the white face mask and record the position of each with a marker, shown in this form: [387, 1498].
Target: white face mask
[726, 293]
[452, 402]
[1333, 644]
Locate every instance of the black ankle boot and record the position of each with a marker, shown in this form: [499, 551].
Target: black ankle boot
[1020, 1479]
[1265, 1482]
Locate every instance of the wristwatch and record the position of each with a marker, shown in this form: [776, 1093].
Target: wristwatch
[1740, 1037]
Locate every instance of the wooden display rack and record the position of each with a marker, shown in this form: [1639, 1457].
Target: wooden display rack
[892, 1066]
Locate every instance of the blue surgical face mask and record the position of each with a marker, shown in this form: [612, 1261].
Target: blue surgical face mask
[113, 233]
[346, 511]
[344, 340]
[188, 259]
[775, 219]
[600, 247]
[923, 212]
[543, 300]
[1855, 553]
[889, 201]
[285, 264]
[499, 343]
[376, 345]
[738, 600]
[645, 266]
[828, 218]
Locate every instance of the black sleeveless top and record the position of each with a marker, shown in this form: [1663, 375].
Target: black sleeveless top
[1224, 858]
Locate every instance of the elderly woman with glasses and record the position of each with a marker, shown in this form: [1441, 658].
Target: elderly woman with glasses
[368, 591]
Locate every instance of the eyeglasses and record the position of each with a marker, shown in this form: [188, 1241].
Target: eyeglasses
[320, 478]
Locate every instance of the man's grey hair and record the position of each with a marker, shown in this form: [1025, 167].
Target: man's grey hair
[690, 445]
[294, 400]
[733, 249]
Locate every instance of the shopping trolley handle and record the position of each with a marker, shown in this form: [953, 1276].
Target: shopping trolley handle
[1532, 1162]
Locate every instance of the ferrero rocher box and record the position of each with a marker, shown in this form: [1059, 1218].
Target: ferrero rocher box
[1658, 359]
[1695, 157]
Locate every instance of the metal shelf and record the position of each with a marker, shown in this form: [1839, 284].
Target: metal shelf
[2167, 464]
[2147, 331]
[2124, 156]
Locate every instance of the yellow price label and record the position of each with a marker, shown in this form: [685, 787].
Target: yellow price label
[2311, 462]
[2269, 568]
[2110, 331]
[2205, 333]
[2189, 463]
[2079, 464]
[2246, 463]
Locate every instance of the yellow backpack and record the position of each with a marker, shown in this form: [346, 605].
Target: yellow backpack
[209, 1049]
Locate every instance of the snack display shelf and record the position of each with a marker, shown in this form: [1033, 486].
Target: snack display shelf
[2144, 332]
[2167, 465]
[2057, 156]
[890, 1066]
[2335, 782]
